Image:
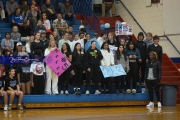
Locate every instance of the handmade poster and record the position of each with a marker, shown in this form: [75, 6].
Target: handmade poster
[123, 29]
[57, 62]
[112, 71]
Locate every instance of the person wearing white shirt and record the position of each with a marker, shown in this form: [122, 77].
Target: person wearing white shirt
[101, 39]
[64, 40]
[108, 60]
[50, 74]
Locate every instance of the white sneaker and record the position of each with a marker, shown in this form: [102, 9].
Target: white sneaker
[134, 91]
[87, 92]
[66, 92]
[62, 92]
[97, 92]
[5, 107]
[151, 104]
[159, 104]
[128, 91]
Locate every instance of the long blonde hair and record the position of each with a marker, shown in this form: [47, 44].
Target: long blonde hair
[155, 54]
[49, 47]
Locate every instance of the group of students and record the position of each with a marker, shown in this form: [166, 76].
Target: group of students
[85, 60]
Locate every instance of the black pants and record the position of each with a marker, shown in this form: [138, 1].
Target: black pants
[95, 71]
[141, 67]
[150, 85]
[120, 78]
[77, 79]
[64, 79]
[132, 74]
[105, 82]
[39, 84]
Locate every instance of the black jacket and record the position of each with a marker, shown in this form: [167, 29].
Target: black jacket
[141, 46]
[78, 60]
[157, 49]
[157, 70]
[93, 58]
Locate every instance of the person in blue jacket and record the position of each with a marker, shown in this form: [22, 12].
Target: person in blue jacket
[17, 18]
[133, 54]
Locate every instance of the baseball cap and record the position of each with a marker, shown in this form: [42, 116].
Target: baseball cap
[18, 44]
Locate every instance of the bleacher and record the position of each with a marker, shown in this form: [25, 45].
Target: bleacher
[71, 100]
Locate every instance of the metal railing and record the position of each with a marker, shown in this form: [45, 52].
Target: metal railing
[144, 30]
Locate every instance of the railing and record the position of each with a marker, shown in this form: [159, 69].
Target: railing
[84, 7]
[144, 30]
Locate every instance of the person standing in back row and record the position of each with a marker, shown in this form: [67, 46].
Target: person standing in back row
[141, 46]
[156, 48]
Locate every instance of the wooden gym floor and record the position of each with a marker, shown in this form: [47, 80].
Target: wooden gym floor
[94, 113]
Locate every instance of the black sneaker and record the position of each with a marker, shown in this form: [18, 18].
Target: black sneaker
[102, 92]
[78, 92]
[75, 91]
[108, 92]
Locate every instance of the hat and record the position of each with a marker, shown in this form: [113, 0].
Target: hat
[42, 31]
[67, 1]
[18, 44]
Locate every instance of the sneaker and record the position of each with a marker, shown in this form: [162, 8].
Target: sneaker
[138, 84]
[97, 92]
[142, 84]
[5, 107]
[151, 104]
[62, 92]
[159, 104]
[128, 91]
[66, 92]
[102, 91]
[122, 90]
[78, 91]
[117, 91]
[20, 107]
[87, 92]
[75, 91]
[134, 91]
[10, 107]
[108, 92]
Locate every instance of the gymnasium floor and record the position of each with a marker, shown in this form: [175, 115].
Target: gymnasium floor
[103, 113]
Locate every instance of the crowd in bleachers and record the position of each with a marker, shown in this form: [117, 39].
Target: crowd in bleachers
[37, 31]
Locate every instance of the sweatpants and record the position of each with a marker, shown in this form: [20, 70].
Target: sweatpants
[141, 67]
[64, 79]
[150, 85]
[132, 74]
[39, 84]
[51, 77]
[77, 79]
[120, 79]
[95, 71]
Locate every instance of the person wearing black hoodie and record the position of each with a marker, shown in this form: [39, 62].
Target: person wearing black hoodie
[93, 57]
[141, 46]
[156, 48]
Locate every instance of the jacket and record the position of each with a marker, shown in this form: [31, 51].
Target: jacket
[141, 46]
[157, 49]
[78, 60]
[108, 58]
[157, 70]
[93, 58]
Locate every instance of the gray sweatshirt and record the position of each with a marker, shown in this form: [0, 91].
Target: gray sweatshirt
[10, 7]
[7, 43]
[16, 38]
[29, 14]
[66, 10]
[125, 64]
